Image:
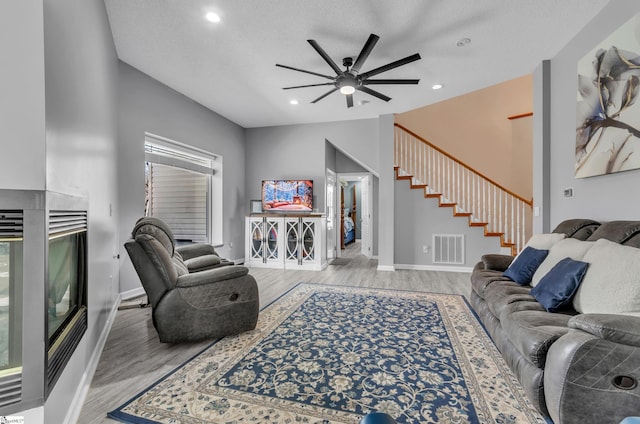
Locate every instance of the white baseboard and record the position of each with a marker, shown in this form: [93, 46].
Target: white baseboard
[83, 388]
[130, 294]
[434, 268]
[386, 268]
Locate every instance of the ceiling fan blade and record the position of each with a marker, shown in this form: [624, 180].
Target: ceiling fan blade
[306, 72]
[364, 53]
[349, 100]
[390, 66]
[325, 56]
[374, 93]
[390, 81]
[325, 95]
[308, 85]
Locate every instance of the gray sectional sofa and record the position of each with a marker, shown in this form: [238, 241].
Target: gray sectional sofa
[580, 364]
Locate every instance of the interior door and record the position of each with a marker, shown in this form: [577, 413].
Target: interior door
[365, 215]
[331, 214]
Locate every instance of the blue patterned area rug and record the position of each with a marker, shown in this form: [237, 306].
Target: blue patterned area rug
[330, 354]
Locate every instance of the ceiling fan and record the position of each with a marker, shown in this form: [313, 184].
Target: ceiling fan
[350, 80]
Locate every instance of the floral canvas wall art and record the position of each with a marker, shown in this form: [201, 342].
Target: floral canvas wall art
[608, 108]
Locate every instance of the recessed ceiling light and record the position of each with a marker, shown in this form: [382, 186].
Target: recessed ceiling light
[463, 42]
[293, 102]
[437, 86]
[212, 17]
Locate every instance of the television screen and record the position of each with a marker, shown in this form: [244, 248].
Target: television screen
[287, 195]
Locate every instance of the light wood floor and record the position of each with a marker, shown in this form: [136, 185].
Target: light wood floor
[134, 358]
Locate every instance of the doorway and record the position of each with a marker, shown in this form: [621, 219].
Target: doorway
[354, 212]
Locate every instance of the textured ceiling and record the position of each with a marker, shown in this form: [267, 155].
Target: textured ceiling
[229, 67]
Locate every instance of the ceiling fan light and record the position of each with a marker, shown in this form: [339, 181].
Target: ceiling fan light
[347, 89]
[212, 17]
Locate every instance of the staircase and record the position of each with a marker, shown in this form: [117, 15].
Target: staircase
[471, 195]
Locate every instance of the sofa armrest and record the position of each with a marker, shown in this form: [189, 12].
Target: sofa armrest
[211, 276]
[497, 262]
[623, 329]
[190, 251]
[586, 376]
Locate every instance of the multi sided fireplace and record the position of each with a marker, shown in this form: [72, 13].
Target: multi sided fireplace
[43, 292]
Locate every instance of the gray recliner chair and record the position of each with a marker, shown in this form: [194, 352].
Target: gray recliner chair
[211, 298]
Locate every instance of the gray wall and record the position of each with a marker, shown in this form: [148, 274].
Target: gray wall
[329, 155]
[604, 197]
[345, 164]
[80, 87]
[145, 105]
[298, 151]
[416, 221]
[22, 100]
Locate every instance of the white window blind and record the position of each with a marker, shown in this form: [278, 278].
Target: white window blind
[180, 198]
[178, 189]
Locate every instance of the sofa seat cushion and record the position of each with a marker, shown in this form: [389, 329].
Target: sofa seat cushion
[532, 332]
[483, 278]
[503, 293]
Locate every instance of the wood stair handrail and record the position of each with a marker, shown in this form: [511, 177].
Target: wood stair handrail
[528, 202]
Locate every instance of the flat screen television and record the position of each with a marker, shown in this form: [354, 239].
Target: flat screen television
[287, 195]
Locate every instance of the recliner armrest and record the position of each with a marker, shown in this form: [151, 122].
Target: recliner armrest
[211, 276]
[496, 261]
[624, 329]
[202, 263]
[189, 251]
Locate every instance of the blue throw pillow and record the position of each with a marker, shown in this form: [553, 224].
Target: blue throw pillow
[556, 289]
[524, 266]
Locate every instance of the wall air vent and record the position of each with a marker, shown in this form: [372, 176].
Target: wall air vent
[448, 249]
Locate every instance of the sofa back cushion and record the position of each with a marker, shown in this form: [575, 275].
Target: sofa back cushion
[567, 248]
[610, 285]
[579, 228]
[623, 232]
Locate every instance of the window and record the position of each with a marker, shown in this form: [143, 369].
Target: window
[183, 187]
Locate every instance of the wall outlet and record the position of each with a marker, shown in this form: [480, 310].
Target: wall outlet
[425, 249]
[568, 192]
[230, 244]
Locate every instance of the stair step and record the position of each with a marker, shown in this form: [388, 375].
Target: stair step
[454, 205]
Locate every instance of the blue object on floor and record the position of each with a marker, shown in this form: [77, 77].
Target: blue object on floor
[631, 420]
[377, 418]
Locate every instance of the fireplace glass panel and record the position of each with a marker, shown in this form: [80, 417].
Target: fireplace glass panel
[66, 281]
[10, 303]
